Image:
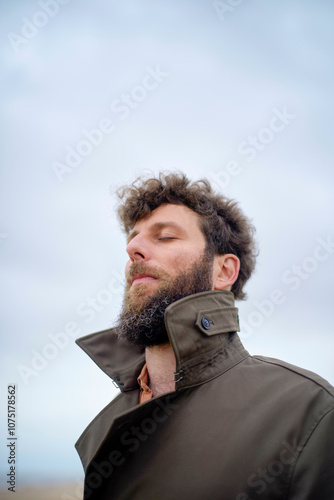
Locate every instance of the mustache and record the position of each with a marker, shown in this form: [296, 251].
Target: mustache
[141, 268]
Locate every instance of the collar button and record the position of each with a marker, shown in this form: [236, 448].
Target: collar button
[206, 323]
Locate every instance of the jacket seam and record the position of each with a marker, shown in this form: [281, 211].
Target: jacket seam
[294, 371]
[221, 347]
[303, 448]
[216, 375]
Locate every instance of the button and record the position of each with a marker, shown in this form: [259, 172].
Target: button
[206, 323]
[117, 379]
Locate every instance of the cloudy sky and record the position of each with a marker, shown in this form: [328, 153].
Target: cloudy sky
[97, 93]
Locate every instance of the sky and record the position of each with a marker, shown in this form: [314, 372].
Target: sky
[95, 94]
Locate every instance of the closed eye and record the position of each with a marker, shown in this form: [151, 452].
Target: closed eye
[166, 238]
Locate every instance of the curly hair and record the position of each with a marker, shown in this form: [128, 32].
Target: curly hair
[225, 227]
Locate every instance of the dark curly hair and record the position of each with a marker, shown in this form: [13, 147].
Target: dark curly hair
[225, 227]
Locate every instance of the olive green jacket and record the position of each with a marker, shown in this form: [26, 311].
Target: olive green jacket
[237, 427]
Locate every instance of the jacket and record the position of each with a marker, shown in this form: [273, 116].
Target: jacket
[237, 427]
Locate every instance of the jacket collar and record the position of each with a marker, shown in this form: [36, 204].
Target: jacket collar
[201, 329]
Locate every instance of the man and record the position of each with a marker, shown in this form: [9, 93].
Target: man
[198, 417]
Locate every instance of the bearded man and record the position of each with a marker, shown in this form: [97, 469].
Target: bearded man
[198, 417]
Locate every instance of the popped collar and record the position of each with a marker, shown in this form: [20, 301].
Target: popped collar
[202, 331]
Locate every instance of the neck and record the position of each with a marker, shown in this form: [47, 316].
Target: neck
[161, 365]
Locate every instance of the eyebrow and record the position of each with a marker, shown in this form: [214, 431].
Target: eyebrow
[158, 226]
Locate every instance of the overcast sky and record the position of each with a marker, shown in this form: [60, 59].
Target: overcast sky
[97, 93]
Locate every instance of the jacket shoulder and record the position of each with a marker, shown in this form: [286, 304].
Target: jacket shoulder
[294, 371]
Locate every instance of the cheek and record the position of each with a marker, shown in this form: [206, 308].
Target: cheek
[181, 261]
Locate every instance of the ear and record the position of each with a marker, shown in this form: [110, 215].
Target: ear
[225, 271]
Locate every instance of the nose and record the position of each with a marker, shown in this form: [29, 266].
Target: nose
[138, 249]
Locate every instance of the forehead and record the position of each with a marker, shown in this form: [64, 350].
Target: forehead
[169, 212]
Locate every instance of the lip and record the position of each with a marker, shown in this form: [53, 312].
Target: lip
[138, 279]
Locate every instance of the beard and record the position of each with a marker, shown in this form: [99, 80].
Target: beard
[142, 319]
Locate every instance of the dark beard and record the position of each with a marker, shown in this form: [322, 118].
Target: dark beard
[143, 325]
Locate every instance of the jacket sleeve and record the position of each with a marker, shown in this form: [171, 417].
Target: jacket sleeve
[313, 476]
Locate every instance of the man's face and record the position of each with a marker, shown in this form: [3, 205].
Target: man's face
[161, 247]
[167, 261]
